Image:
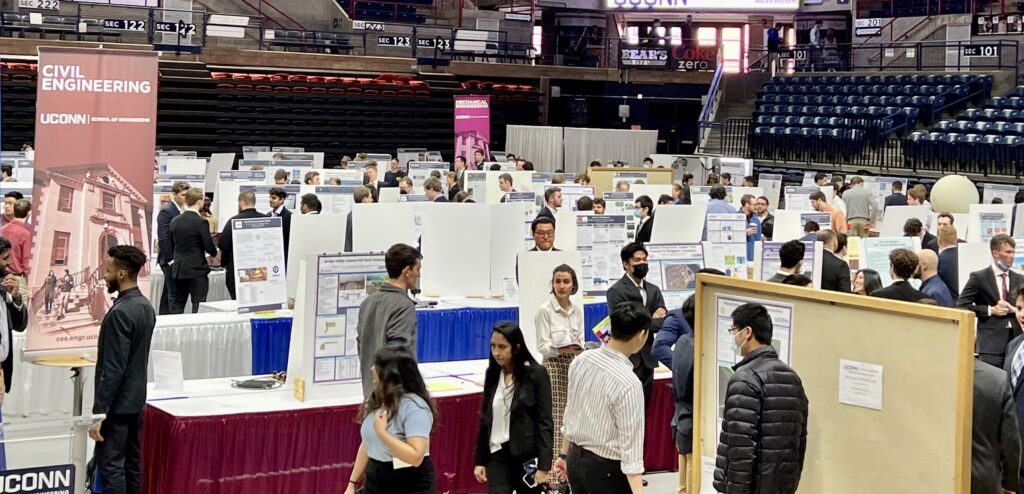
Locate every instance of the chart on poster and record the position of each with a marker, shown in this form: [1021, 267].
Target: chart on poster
[259, 264]
[600, 240]
[343, 282]
[673, 268]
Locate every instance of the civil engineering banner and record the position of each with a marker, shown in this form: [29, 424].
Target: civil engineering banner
[472, 127]
[95, 136]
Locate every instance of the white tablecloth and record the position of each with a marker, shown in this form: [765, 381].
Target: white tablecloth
[218, 290]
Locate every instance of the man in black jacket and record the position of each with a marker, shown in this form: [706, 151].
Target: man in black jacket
[896, 198]
[995, 449]
[903, 264]
[764, 431]
[835, 272]
[190, 238]
[645, 207]
[633, 288]
[13, 315]
[125, 335]
[277, 208]
[246, 210]
[165, 253]
[987, 293]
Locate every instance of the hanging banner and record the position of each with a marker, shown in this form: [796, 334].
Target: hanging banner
[95, 135]
[472, 127]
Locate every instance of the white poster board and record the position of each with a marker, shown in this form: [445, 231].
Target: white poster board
[456, 265]
[219, 162]
[767, 261]
[799, 198]
[419, 171]
[874, 253]
[673, 268]
[729, 258]
[376, 227]
[896, 216]
[600, 240]
[988, 220]
[772, 186]
[263, 196]
[971, 257]
[260, 279]
[739, 192]
[510, 235]
[678, 224]
[787, 226]
[333, 199]
[313, 234]
[1007, 193]
[737, 168]
[185, 166]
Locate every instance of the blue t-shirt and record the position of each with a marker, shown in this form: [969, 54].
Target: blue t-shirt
[414, 420]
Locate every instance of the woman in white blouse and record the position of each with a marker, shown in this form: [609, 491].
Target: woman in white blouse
[559, 326]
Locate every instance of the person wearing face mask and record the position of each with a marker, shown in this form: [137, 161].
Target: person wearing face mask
[644, 212]
[764, 427]
[987, 294]
[633, 288]
[560, 339]
[388, 317]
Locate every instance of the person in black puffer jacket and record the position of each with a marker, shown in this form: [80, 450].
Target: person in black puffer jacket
[764, 434]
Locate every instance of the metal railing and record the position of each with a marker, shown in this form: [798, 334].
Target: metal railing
[740, 139]
[706, 126]
[882, 8]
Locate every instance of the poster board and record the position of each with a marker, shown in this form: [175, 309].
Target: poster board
[767, 262]
[739, 192]
[218, 162]
[971, 257]
[674, 268]
[602, 178]
[772, 186]
[845, 441]
[787, 226]
[985, 221]
[678, 224]
[1005, 192]
[448, 272]
[291, 202]
[259, 267]
[510, 235]
[799, 198]
[896, 216]
[874, 253]
[376, 227]
[522, 181]
[600, 240]
[535, 271]
[313, 234]
[654, 191]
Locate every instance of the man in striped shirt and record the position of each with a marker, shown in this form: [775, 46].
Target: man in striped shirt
[602, 449]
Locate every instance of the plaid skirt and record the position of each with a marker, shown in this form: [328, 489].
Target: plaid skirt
[558, 371]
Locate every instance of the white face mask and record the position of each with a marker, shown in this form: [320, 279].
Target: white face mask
[735, 346]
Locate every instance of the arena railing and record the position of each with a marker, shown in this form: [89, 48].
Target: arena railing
[960, 56]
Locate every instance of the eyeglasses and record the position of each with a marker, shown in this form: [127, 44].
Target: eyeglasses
[540, 233]
[734, 329]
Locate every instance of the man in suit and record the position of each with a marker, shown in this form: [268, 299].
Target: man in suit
[645, 208]
[552, 201]
[165, 253]
[121, 362]
[835, 272]
[190, 238]
[995, 437]
[943, 219]
[361, 195]
[460, 171]
[915, 228]
[453, 186]
[246, 210]
[791, 259]
[896, 198]
[931, 284]
[1014, 368]
[543, 231]
[948, 261]
[432, 189]
[13, 316]
[370, 180]
[902, 266]
[505, 184]
[277, 208]
[633, 288]
[987, 293]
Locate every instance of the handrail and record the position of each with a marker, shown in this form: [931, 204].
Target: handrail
[887, 24]
[269, 18]
[712, 96]
[286, 16]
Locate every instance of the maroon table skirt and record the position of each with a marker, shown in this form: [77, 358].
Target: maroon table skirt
[312, 450]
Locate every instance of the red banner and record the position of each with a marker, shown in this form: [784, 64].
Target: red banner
[93, 188]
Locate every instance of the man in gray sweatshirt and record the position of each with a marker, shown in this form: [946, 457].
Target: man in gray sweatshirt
[861, 209]
[388, 317]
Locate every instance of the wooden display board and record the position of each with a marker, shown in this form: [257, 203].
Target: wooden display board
[602, 178]
[923, 429]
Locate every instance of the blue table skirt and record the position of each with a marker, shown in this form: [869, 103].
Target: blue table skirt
[442, 335]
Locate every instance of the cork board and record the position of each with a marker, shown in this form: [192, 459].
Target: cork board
[920, 440]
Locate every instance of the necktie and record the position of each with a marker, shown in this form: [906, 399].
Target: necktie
[1016, 366]
[1006, 292]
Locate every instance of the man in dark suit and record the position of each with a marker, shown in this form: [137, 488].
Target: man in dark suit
[453, 186]
[633, 288]
[361, 195]
[432, 189]
[165, 252]
[835, 272]
[645, 206]
[552, 201]
[896, 198]
[995, 451]
[13, 315]
[948, 261]
[277, 208]
[791, 259]
[121, 362]
[943, 219]
[914, 228]
[902, 265]
[1014, 368]
[246, 210]
[190, 238]
[987, 293]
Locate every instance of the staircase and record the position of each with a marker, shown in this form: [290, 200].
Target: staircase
[731, 134]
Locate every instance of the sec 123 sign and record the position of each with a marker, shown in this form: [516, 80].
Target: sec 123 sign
[406, 41]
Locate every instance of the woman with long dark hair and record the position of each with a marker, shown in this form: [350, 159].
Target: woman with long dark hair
[866, 281]
[515, 417]
[396, 422]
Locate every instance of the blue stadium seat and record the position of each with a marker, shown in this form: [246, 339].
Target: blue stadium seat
[1017, 128]
[886, 100]
[942, 126]
[872, 101]
[962, 126]
[792, 121]
[1008, 115]
[823, 122]
[854, 100]
[999, 128]
[981, 127]
[806, 121]
[837, 122]
[971, 114]
[989, 114]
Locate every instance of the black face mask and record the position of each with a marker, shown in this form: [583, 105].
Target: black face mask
[640, 271]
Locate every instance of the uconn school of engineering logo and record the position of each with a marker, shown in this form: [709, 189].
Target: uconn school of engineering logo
[58, 479]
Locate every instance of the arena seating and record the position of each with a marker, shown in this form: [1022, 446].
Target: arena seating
[981, 140]
[405, 11]
[316, 41]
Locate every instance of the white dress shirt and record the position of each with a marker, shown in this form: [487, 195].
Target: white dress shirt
[501, 410]
[604, 412]
[639, 286]
[557, 327]
[5, 342]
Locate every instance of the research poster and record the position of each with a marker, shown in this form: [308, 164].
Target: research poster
[472, 127]
[242, 176]
[1018, 256]
[295, 170]
[476, 185]
[95, 132]
[699, 195]
[673, 268]
[771, 184]
[993, 224]
[809, 179]
[622, 203]
[343, 177]
[334, 199]
[730, 258]
[599, 239]
[1005, 193]
[799, 198]
[419, 171]
[875, 253]
[824, 220]
[259, 264]
[726, 352]
[726, 228]
[771, 263]
[530, 213]
[263, 196]
[343, 282]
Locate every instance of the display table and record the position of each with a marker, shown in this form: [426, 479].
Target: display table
[218, 290]
[224, 440]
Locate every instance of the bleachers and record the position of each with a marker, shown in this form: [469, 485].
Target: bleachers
[980, 140]
[405, 11]
[315, 41]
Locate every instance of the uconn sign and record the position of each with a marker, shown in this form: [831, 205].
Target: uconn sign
[58, 479]
[703, 5]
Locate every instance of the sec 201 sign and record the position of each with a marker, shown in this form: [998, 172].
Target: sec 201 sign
[703, 5]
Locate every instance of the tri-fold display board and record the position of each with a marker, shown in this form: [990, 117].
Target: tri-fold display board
[889, 385]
